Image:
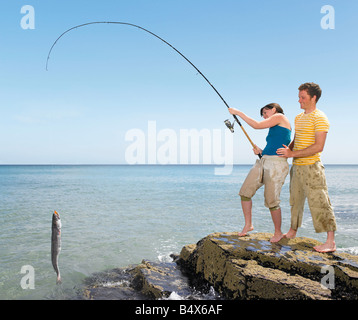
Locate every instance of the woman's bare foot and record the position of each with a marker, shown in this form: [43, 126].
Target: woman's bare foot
[291, 234]
[276, 237]
[245, 230]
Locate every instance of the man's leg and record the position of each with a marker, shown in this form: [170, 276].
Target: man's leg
[297, 200]
[320, 206]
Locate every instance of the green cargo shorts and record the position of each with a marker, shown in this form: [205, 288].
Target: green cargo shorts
[309, 181]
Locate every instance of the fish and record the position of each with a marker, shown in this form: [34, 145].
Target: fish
[56, 244]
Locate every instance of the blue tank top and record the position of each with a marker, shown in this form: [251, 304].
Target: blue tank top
[276, 137]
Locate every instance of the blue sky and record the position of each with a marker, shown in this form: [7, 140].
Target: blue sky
[105, 80]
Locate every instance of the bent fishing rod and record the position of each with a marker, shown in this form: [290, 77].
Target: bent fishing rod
[227, 122]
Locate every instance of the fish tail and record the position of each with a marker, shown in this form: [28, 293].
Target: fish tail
[58, 280]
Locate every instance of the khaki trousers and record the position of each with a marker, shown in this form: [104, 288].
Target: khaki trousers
[270, 171]
[309, 181]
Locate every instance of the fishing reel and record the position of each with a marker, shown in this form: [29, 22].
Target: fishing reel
[230, 125]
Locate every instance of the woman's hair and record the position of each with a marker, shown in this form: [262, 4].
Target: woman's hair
[271, 106]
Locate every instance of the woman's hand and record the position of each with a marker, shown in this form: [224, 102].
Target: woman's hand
[257, 150]
[234, 111]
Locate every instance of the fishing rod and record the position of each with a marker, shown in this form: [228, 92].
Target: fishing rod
[227, 122]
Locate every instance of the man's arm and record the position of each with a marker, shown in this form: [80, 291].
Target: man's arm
[292, 144]
[318, 146]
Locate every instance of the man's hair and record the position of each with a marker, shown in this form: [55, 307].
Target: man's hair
[271, 106]
[312, 89]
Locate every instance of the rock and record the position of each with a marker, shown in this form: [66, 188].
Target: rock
[115, 284]
[160, 280]
[253, 268]
[225, 266]
[148, 280]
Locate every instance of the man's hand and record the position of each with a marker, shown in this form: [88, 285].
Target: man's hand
[285, 152]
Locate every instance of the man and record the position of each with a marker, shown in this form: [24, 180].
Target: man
[307, 173]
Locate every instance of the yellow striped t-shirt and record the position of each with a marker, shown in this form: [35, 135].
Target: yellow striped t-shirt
[306, 125]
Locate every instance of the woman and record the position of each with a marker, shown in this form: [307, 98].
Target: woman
[271, 170]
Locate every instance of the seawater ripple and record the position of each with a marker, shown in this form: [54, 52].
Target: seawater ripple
[115, 216]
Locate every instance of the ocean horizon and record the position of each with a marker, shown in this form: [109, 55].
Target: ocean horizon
[116, 215]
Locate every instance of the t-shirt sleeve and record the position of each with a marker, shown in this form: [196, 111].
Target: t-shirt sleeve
[321, 123]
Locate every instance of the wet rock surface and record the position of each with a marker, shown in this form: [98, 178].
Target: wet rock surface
[148, 280]
[225, 266]
[253, 268]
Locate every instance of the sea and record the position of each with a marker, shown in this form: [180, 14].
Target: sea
[114, 216]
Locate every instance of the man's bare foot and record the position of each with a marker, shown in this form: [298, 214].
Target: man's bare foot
[245, 230]
[291, 234]
[276, 237]
[326, 247]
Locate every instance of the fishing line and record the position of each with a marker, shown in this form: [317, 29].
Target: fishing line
[227, 122]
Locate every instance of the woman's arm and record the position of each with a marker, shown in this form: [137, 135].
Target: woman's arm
[267, 123]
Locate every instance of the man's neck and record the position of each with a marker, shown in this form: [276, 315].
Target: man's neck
[310, 109]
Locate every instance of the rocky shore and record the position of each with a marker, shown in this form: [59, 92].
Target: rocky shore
[235, 267]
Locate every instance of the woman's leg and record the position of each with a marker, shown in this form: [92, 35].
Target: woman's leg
[276, 218]
[246, 205]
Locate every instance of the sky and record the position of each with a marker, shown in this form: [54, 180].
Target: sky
[114, 94]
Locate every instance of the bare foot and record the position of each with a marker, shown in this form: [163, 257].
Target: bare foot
[326, 247]
[277, 237]
[245, 230]
[291, 234]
